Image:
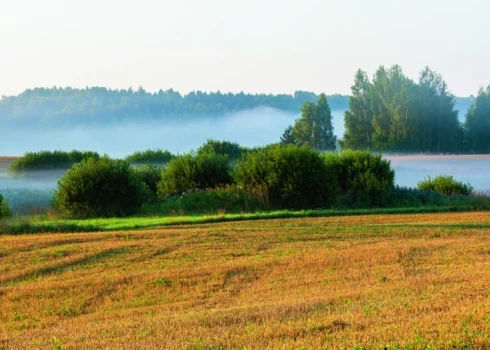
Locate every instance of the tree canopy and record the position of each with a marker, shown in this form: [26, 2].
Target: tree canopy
[314, 128]
[478, 123]
[394, 113]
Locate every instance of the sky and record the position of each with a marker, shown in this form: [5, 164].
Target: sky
[255, 46]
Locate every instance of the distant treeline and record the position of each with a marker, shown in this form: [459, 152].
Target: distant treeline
[69, 106]
[102, 105]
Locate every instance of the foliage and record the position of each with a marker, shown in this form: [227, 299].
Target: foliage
[288, 177]
[47, 160]
[287, 137]
[150, 156]
[150, 175]
[100, 188]
[478, 123]
[394, 113]
[222, 148]
[193, 171]
[314, 128]
[364, 178]
[402, 197]
[4, 208]
[446, 185]
[358, 119]
[229, 199]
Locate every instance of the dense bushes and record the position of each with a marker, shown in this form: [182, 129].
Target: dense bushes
[288, 177]
[194, 171]
[150, 175]
[232, 150]
[150, 156]
[228, 199]
[47, 160]
[100, 187]
[445, 185]
[4, 208]
[364, 178]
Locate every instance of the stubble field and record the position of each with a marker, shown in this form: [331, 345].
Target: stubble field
[396, 281]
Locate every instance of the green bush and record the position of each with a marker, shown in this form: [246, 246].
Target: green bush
[150, 175]
[100, 188]
[364, 178]
[445, 185]
[224, 148]
[193, 171]
[409, 197]
[47, 160]
[220, 200]
[4, 208]
[288, 177]
[150, 156]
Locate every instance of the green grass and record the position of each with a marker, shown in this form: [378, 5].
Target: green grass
[41, 224]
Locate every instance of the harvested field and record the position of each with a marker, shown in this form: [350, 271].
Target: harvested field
[396, 281]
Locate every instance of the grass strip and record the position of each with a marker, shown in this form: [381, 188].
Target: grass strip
[37, 224]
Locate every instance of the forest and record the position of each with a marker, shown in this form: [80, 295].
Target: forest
[98, 105]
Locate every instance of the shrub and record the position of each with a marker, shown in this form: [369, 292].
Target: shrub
[4, 208]
[445, 185]
[150, 156]
[47, 160]
[364, 178]
[191, 171]
[100, 187]
[150, 175]
[224, 148]
[229, 199]
[288, 177]
[410, 197]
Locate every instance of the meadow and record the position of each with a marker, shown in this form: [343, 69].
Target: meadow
[413, 281]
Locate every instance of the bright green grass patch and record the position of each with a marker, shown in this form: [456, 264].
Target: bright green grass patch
[40, 224]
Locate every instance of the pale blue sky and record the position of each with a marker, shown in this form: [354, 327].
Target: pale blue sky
[256, 46]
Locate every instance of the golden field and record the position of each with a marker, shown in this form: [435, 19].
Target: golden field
[396, 281]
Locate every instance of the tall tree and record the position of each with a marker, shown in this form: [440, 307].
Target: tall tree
[478, 123]
[303, 129]
[358, 119]
[324, 127]
[314, 128]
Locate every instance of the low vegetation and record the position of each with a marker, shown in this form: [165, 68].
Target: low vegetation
[288, 177]
[4, 208]
[445, 185]
[222, 177]
[157, 156]
[48, 160]
[364, 179]
[194, 171]
[358, 282]
[100, 187]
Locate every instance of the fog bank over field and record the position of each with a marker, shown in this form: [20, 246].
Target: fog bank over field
[248, 128]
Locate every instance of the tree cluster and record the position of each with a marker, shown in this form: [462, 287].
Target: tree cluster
[393, 113]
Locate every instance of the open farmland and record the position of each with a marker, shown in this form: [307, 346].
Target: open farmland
[401, 281]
